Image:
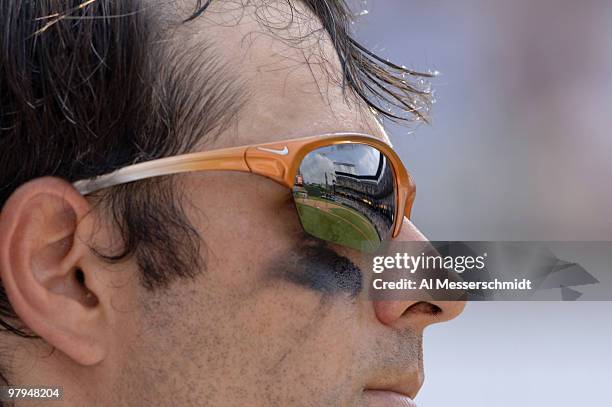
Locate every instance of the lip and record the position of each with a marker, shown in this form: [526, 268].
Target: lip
[386, 398]
[397, 392]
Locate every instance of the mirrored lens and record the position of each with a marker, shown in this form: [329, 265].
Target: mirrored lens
[345, 194]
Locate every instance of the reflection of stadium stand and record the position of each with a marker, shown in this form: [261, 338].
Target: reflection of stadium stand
[373, 195]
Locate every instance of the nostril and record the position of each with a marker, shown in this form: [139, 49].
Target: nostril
[423, 308]
[80, 277]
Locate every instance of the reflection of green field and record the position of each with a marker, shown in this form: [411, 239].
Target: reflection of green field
[336, 223]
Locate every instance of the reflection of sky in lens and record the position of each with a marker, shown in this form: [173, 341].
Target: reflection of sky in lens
[314, 167]
[364, 158]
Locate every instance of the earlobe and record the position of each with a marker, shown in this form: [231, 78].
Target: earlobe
[41, 255]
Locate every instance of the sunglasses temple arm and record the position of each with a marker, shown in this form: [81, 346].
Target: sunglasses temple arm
[232, 159]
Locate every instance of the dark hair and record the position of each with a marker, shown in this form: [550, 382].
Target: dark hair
[83, 93]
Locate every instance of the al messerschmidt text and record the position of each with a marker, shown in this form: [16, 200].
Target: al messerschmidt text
[447, 284]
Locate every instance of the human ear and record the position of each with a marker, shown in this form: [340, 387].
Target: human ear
[46, 272]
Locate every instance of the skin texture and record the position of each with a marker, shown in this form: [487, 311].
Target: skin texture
[267, 323]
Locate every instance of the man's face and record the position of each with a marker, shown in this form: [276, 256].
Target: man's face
[267, 323]
[275, 317]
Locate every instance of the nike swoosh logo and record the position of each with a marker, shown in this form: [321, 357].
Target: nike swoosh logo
[284, 151]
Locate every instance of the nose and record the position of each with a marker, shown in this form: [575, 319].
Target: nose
[416, 314]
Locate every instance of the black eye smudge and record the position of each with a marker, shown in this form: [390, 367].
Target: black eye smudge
[316, 266]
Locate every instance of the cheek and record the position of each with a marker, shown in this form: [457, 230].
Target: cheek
[298, 343]
[272, 344]
[273, 338]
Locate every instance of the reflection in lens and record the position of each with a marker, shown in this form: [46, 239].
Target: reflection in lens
[345, 194]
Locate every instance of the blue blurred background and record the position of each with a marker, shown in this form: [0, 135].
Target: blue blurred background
[520, 149]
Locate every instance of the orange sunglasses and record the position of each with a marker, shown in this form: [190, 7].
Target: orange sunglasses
[350, 189]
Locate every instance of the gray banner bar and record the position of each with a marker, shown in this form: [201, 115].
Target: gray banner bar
[490, 271]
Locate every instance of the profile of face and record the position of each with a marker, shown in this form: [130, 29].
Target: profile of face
[275, 317]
